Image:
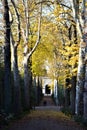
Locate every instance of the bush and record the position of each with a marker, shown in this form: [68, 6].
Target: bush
[81, 120]
[67, 111]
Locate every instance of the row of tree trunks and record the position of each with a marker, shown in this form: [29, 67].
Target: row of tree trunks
[82, 97]
[80, 17]
[81, 88]
[70, 91]
[70, 94]
[7, 59]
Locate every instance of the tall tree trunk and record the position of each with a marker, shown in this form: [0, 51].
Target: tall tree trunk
[73, 94]
[7, 59]
[17, 92]
[38, 90]
[82, 64]
[67, 94]
[85, 93]
[80, 82]
[30, 80]
[56, 91]
[15, 43]
[85, 41]
[35, 89]
[79, 17]
[28, 52]
[67, 98]
[26, 58]
[26, 85]
[73, 34]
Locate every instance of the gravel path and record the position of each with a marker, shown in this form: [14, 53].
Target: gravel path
[45, 120]
[47, 117]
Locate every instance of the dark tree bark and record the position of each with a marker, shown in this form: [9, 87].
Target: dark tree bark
[30, 81]
[80, 94]
[73, 94]
[7, 59]
[85, 41]
[73, 34]
[85, 92]
[67, 94]
[38, 90]
[27, 52]
[35, 89]
[15, 42]
[17, 92]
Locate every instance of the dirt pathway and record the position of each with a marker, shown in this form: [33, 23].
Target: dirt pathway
[48, 100]
[45, 118]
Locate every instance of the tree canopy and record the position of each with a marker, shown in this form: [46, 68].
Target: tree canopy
[43, 38]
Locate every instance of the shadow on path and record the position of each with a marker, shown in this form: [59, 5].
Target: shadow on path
[47, 101]
[47, 104]
[48, 117]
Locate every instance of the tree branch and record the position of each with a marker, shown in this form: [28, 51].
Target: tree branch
[18, 21]
[44, 1]
[39, 28]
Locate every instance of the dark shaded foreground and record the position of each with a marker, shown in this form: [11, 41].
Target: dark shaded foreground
[45, 120]
[45, 117]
